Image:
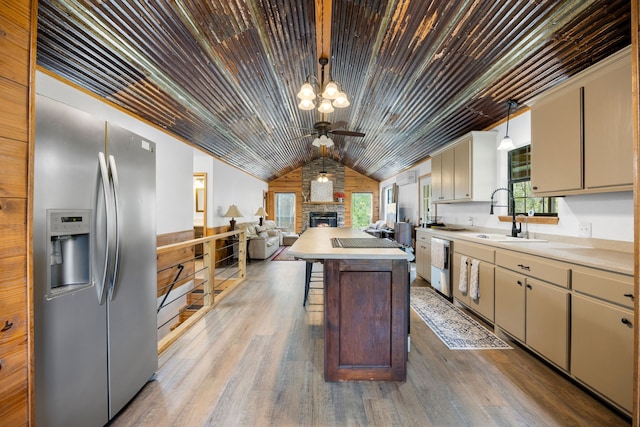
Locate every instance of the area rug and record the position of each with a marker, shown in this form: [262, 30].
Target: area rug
[456, 330]
[283, 255]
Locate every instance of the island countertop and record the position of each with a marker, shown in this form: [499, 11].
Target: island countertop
[315, 243]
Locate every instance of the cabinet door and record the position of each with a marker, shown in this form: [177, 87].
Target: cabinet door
[447, 175]
[608, 130]
[455, 279]
[602, 348]
[426, 259]
[547, 321]
[462, 170]
[509, 302]
[436, 178]
[484, 305]
[556, 145]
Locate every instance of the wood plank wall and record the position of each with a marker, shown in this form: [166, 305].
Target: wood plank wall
[353, 182]
[17, 41]
[167, 262]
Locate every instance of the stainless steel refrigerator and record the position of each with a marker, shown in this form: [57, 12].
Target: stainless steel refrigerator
[94, 240]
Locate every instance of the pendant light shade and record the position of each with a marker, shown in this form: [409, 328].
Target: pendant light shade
[506, 143]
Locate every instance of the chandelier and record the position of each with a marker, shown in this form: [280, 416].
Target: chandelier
[329, 94]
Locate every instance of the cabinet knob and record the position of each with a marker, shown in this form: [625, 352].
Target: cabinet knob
[529, 287]
[627, 322]
[7, 326]
[519, 283]
[524, 267]
[629, 296]
[535, 187]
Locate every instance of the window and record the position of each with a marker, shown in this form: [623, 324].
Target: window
[520, 184]
[426, 211]
[361, 209]
[286, 210]
[390, 196]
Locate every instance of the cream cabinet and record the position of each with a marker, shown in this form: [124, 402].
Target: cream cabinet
[510, 303]
[465, 170]
[532, 301]
[484, 304]
[442, 165]
[581, 132]
[602, 332]
[423, 255]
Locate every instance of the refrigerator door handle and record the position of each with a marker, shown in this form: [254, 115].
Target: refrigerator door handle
[116, 199]
[104, 175]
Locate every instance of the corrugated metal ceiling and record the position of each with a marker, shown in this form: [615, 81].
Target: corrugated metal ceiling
[223, 74]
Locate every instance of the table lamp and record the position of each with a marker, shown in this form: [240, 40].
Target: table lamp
[261, 213]
[233, 212]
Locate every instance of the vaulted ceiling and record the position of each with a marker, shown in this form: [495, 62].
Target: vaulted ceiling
[224, 74]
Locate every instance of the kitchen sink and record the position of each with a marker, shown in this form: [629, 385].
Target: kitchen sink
[500, 238]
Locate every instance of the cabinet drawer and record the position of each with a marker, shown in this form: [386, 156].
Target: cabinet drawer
[479, 252]
[614, 287]
[540, 268]
[423, 236]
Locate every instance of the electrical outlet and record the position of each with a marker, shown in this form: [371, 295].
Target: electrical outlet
[584, 229]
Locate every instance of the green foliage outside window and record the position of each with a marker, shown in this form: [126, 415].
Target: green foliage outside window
[361, 208]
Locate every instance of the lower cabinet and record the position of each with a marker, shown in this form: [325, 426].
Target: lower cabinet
[534, 312]
[602, 333]
[484, 304]
[510, 302]
[423, 255]
[602, 348]
[547, 321]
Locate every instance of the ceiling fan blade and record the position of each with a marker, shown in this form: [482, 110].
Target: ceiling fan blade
[347, 133]
[337, 125]
[303, 136]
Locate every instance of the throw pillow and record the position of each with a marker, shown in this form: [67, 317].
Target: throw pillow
[260, 229]
[263, 234]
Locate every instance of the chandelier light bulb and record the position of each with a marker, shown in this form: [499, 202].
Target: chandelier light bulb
[325, 106]
[330, 90]
[306, 92]
[307, 104]
[341, 100]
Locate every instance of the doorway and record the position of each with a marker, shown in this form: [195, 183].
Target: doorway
[200, 205]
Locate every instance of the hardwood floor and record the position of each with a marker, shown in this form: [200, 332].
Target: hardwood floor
[257, 360]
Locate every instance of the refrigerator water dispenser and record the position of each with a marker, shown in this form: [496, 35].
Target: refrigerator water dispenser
[69, 239]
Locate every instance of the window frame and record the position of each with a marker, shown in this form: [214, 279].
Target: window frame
[550, 205]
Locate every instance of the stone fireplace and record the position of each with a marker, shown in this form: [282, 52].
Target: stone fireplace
[310, 172]
[323, 219]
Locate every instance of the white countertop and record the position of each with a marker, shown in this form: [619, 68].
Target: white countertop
[615, 261]
[315, 243]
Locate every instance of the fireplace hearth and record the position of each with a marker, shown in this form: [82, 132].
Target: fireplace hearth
[323, 219]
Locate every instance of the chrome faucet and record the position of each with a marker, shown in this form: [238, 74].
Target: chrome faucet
[514, 229]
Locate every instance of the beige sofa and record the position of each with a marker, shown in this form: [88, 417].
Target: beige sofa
[263, 241]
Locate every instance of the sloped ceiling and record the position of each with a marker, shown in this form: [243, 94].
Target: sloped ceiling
[223, 74]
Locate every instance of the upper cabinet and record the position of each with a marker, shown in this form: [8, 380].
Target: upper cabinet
[581, 132]
[465, 170]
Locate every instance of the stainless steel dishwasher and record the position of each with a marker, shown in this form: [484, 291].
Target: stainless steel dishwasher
[441, 266]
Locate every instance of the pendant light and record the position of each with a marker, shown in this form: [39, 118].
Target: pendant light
[322, 177]
[507, 143]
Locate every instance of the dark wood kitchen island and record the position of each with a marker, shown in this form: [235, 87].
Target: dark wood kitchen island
[366, 304]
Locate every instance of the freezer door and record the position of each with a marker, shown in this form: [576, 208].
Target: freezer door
[70, 329]
[133, 345]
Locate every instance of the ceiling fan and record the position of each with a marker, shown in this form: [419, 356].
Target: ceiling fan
[322, 131]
